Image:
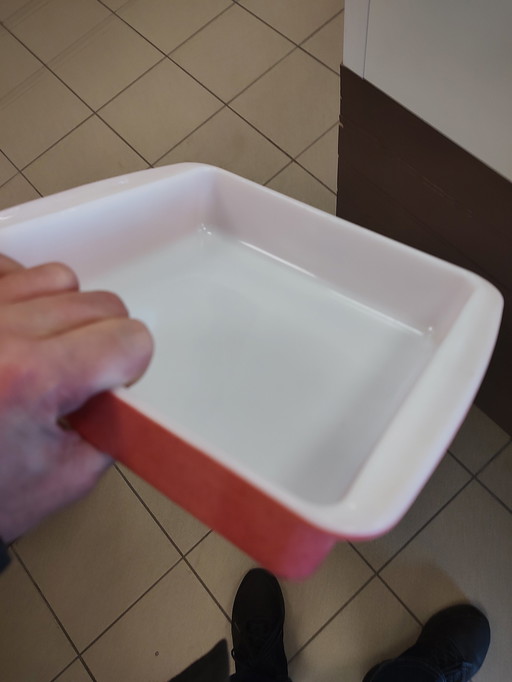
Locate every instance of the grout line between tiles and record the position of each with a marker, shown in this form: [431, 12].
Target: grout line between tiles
[361, 556]
[409, 611]
[331, 618]
[185, 559]
[146, 507]
[183, 555]
[30, 183]
[128, 608]
[264, 73]
[54, 144]
[49, 606]
[54, 679]
[414, 535]
[461, 463]
[310, 35]
[164, 55]
[493, 494]
[279, 171]
[484, 466]
[495, 456]
[78, 97]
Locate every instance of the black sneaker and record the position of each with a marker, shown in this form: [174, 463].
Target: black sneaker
[257, 628]
[454, 643]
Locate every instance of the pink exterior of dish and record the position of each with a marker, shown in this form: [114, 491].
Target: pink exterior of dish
[274, 536]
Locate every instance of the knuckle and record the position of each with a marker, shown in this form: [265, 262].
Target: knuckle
[21, 370]
[60, 276]
[110, 303]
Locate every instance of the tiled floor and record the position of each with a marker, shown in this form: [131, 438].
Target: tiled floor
[124, 585]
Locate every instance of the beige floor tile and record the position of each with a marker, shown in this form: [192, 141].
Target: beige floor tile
[373, 627]
[159, 110]
[173, 625]
[184, 529]
[294, 103]
[75, 673]
[227, 141]
[295, 182]
[7, 170]
[48, 27]
[21, 63]
[321, 159]
[168, 24]
[93, 560]
[37, 114]
[327, 43]
[446, 482]
[16, 191]
[32, 645]
[465, 553]
[91, 152]
[479, 438]
[231, 52]
[308, 603]
[297, 22]
[497, 476]
[105, 61]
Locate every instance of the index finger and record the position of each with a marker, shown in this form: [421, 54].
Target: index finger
[95, 358]
[8, 265]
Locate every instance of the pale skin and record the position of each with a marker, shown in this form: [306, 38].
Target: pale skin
[58, 347]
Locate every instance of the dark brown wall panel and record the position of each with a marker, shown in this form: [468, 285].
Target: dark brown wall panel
[400, 177]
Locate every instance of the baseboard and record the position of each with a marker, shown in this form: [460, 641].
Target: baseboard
[400, 177]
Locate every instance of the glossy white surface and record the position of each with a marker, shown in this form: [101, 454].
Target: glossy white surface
[324, 363]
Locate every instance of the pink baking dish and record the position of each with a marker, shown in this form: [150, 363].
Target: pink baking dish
[309, 374]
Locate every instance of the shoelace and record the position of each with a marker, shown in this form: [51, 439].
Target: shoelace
[448, 660]
[260, 642]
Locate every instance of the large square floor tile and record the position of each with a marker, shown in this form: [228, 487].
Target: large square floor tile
[21, 63]
[327, 43]
[16, 191]
[309, 603]
[321, 158]
[183, 528]
[464, 554]
[497, 476]
[48, 27]
[35, 115]
[294, 103]
[372, 628]
[168, 24]
[227, 141]
[446, 482]
[478, 439]
[231, 52]
[93, 560]
[160, 109]
[170, 627]
[297, 21]
[91, 152]
[32, 645]
[105, 61]
[295, 182]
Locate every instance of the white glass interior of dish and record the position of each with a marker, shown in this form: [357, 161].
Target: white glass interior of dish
[323, 362]
[272, 365]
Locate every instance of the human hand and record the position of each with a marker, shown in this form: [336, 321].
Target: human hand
[58, 348]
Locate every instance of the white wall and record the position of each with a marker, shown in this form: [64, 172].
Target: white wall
[448, 61]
